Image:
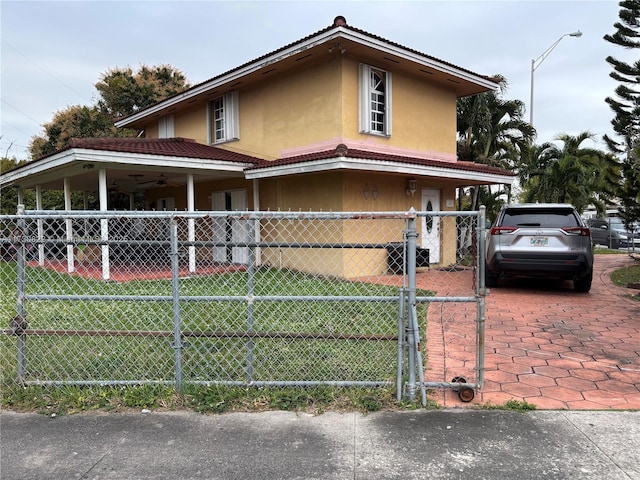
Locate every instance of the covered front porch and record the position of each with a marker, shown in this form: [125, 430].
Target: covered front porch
[149, 175]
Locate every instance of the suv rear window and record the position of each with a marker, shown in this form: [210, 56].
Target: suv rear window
[540, 218]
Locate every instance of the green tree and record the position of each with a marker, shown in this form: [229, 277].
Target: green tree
[122, 92]
[626, 108]
[492, 130]
[570, 174]
[74, 122]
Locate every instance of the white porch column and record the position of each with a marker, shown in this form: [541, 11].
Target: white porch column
[256, 208]
[191, 207]
[104, 224]
[69, 226]
[40, 226]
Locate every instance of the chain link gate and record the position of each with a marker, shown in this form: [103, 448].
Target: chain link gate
[230, 298]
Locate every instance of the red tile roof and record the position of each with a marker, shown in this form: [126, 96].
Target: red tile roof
[169, 147]
[342, 151]
[182, 147]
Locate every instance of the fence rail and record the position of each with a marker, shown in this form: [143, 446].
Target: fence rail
[234, 298]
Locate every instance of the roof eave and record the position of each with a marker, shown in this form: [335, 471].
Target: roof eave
[319, 39]
[350, 163]
[106, 157]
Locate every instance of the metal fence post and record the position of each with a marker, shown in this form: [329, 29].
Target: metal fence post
[482, 293]
[21, 308]
[250, 292]
[401, 343]
[414, 340]
[175, 291]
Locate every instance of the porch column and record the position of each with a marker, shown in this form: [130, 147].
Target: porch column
[69, 226]
[256, 208]
[191, 202]
[104, 224]
[40, 222]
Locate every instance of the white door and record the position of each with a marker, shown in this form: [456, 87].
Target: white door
[239, 228]
[234, 230]
[431, 224]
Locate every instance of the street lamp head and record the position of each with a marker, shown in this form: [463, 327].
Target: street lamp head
[577, 34]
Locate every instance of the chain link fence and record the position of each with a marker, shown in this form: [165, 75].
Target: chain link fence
[242, 299]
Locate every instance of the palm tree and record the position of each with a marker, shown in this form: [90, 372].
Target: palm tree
[492, 130]
[571, 174]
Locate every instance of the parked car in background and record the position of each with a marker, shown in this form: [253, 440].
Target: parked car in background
[612, 232]
[540, 240]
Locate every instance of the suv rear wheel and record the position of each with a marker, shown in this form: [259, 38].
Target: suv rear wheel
[583, 284]
[490, 280]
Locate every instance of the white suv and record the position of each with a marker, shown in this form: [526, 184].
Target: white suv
[540, 240]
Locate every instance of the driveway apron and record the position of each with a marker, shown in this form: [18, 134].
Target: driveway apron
[544, 343]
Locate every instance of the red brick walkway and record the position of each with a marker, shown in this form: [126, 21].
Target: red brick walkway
[545, 343]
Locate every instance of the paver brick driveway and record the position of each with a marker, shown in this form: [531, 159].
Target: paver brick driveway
[544, 343]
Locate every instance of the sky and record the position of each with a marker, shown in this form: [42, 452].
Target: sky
[53, 53]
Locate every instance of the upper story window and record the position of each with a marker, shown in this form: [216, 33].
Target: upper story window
[375, 100]
[165, 127]
[223, 118]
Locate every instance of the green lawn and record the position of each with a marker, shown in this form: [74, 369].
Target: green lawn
[309, 340]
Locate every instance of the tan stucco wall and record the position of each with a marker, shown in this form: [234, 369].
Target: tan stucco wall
[344, 191]
[423, 113]
[192, 123]
[294, 110]
[319, 104]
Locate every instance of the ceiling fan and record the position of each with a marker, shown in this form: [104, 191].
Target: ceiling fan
[161, 181]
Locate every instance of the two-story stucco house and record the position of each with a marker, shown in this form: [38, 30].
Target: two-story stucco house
[340, 120]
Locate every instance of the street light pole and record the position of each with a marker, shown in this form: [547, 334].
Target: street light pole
[535, 63]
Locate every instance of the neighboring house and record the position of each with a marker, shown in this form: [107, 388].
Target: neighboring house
[340, 120]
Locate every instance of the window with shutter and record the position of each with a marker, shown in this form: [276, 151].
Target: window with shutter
[223, 118]
[375, 101]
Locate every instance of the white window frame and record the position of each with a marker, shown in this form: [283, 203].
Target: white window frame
[227, 127]
[373, 119]
[166, 127]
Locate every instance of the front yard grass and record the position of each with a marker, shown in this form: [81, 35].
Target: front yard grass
[626, 276]
[278, 354]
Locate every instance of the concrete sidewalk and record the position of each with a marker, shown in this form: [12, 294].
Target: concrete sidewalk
[452, 444]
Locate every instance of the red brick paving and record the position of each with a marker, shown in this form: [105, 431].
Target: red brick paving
[544, 343]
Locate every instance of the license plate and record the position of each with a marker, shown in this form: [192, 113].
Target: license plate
[539, 241]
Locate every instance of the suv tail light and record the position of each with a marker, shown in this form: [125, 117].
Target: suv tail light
[582, 231]
[501, 230]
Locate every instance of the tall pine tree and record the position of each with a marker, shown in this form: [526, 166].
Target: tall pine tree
[626, 107]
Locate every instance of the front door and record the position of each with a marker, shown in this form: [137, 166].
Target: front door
[431, 224]
[230, 230]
